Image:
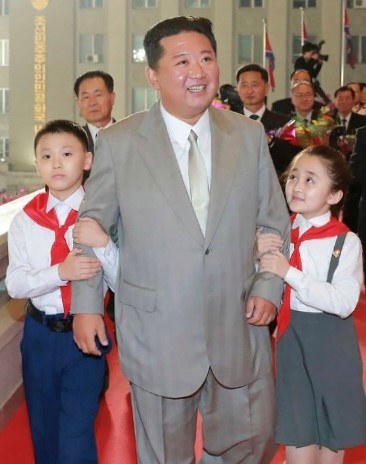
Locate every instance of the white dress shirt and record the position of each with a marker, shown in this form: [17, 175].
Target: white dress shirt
[94, 129]
[30, 274]
[310, 291]
[178, 132]
[259, 113]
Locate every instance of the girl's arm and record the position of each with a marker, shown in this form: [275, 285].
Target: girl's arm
[339, 297]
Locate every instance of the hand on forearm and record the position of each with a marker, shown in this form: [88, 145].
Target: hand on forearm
[88, 232]
[274, 262]
[78, 267]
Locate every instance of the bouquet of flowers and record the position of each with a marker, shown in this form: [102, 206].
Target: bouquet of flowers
[296, 132]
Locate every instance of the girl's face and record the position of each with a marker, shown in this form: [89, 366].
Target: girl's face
[308, 187]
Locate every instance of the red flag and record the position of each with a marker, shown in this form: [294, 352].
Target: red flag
[271, 62]
[305, 35]
[350, 54]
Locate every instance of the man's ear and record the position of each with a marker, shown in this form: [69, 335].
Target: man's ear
[335, 197]
[152, 78]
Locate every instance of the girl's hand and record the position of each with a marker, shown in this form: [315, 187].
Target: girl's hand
[266, 243]
[88, 232]
[274, 262]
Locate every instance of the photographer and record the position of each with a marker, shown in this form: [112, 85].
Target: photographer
[312, 61]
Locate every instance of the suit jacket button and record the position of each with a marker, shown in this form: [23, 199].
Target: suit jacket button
[207, 251]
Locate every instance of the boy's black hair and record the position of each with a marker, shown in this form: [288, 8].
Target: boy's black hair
[253, 67]
[107, 78]
[62, 126]
[173, 26]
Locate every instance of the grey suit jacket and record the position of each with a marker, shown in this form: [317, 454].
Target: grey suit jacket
[180, 296]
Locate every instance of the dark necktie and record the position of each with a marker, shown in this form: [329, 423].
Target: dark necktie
[36, 210]
[306, 122]
[198, 182]
[344, 123]
[254, 116]
[330, 229]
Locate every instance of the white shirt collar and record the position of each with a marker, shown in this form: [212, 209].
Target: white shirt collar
[94, 130]
[73, 201]
[259, 113]
[179, 130]
[305, 224]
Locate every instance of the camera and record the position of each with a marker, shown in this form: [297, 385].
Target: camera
[322, 57]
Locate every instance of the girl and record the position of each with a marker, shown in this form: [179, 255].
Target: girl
[321, 400]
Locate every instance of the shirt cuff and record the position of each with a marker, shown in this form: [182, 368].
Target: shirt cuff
[294, 277]
[106, 254]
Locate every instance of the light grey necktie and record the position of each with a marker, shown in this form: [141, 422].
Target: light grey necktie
[198, 182]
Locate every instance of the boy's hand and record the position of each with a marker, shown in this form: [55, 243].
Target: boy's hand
[78, 267]
[274, 262]
[266, 243]
[88, 232]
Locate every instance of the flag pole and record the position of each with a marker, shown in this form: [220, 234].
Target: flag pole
[264, 43]
[302, 25]
[343, 41]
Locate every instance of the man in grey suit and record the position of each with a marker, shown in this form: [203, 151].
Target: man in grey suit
[191, 310]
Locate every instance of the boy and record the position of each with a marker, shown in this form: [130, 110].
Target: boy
[62, 385]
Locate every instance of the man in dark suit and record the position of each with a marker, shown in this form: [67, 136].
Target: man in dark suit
[285, 105]
[95, 98]
[344, 101]
[303, 95]
[253, 87]
[358, 167]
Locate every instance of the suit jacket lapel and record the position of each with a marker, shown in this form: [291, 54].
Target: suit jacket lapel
[224, 161]
[158, 154]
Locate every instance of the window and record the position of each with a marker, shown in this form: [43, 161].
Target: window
[138, 52]
[356, 3]
[144, 3]
[198, 3]
[143, 98]
[4, 52]
[359, 48]
[251, 3]
[4, 101]
[250, 49]
[91, 48]
[4, 149]
[304, 3]
[4, 7]
[90, 3]
[296, 46]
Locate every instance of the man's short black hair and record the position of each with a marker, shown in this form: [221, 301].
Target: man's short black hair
[253, 67]
[63, 126]
[309, 47]
[107, 78]
[173, 26]
[344, 88]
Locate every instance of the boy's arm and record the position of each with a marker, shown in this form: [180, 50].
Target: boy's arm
[22, 280]
[89, 233]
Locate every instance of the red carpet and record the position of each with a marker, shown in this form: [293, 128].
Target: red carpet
[114, 423]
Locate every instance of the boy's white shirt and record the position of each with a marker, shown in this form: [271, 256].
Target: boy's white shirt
[30, 274]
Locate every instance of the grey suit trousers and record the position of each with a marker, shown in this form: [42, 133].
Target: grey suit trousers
[237, 424]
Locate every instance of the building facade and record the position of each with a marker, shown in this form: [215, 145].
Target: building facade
[46, 44]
